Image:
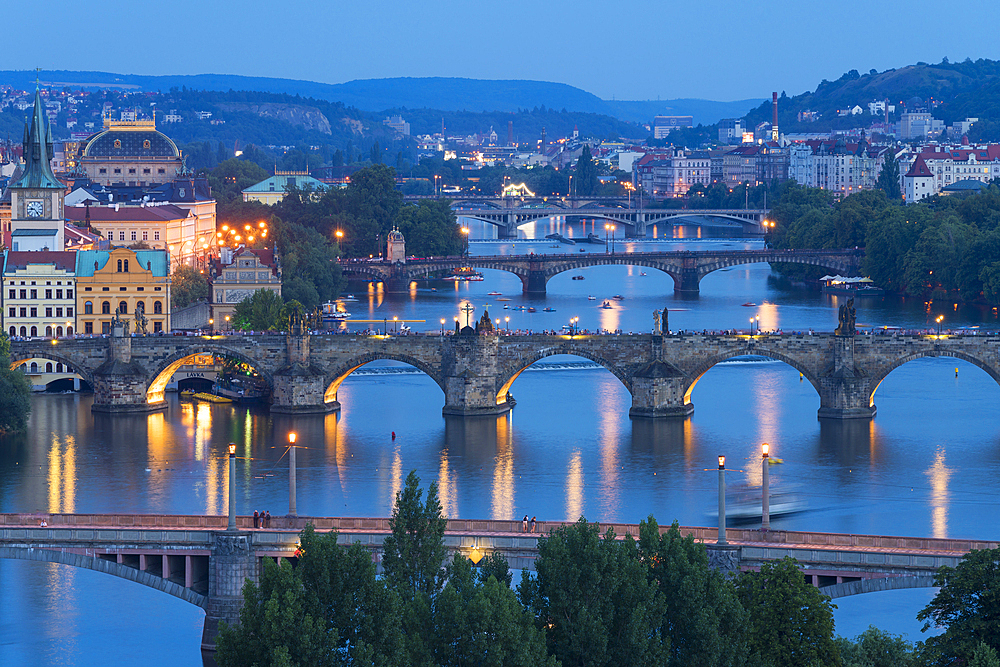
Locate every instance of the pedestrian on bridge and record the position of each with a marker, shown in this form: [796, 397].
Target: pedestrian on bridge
[256, 519]
[267, 519]
[524, 524]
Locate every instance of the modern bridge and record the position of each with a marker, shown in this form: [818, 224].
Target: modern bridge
[686, 267]
[304, 371]
[195, 559]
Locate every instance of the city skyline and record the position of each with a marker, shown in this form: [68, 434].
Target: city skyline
[560, 42]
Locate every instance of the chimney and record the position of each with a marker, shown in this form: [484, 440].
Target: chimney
[774, 116]
[510, 133]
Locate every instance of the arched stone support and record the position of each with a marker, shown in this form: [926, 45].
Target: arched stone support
[471, 376]
[844, 389]
[659, 390]
[232, 563]
[534, 282]
[299, 387]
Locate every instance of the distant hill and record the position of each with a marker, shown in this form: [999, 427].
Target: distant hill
[959, 90]
[376, 95]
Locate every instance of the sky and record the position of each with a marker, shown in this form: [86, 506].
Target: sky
[642, 50]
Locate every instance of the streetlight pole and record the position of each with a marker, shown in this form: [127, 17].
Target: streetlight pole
[612, 239]
[292, 511]
[765, 506]
[231, 524]
[722, 500]
[442, 326]
[506, 320]
[607, 248]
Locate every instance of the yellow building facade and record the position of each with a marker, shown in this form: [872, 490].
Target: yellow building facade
[122, 281]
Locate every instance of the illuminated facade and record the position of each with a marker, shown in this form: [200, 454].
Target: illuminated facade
[130, 152]
[121, 280]
[236, 276]
[38, 293]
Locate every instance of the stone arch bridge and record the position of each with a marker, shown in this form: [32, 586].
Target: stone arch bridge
[195, 559]
[687, 268]
[475, 372]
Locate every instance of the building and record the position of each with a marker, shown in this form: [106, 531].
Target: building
[950, 164]
[918, 125]
[398, 124]
[39, 297]
[918, 181]
[272, 190]
[664, 125]
[36, 196]
[395, 247]
[740, 165]
[236, 275]
[122, 281]
[835, 164]
[731, 130]
[130, 152]
[164, 227]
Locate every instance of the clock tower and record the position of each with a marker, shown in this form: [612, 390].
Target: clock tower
[36, 198]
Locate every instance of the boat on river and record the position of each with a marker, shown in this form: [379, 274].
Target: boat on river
[494, 293]
[745, 504]
[548, 310]
[606, 305]
[855, 286]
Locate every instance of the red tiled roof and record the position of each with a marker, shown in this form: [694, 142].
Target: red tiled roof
[127, 213]
[63, 259]
[918, 169]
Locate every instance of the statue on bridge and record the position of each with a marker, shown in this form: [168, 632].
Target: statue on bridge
[656, 322]
[119, 321]
[846, 326]
[140, 321]
[664, 325]
[485, 324]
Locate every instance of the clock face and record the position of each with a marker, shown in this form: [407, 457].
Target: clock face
[34, 209]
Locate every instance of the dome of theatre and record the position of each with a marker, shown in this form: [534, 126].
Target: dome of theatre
[131, 143]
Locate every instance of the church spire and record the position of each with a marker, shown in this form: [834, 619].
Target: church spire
[38, 152]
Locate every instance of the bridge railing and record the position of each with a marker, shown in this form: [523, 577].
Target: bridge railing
[798, 539]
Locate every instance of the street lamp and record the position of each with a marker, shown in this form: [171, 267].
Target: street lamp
[291, 474]
[939, 319]
[227, 321]
[211, 325]
[395, 327]
[231, 524]
[340, 235]
[765, 506]
[607, 248]
[442, 326]
[612, 239]
[507, 320]
[751, 326]
[465, 232]
[722, 500]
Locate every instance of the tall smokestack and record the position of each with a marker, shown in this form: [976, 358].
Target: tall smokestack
[510, 133]
[542, 146]
[774, 116]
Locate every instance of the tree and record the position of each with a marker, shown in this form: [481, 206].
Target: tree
[702, 616]
[261, 311]
[875, 648]
[967, 606]
[15, 392]
[984, 656]
[187, 285]
[310, 272]
[430, 229]
[413, 555]
[888, 178]
[230, 178]
[789, 622]
[482, 623]
[594, 597]
[586, 174]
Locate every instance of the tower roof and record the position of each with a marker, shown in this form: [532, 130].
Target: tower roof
[919, 169]
[38, 152]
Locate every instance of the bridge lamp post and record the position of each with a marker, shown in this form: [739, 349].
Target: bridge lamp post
[395, 325]
[612, 239]
[211, 324]
[607, 248]
[507, 321]
[765, 507]
[231, 523]
[292, 510]
[722, 500]
[442, 326]
[465, 232]
[939, 319]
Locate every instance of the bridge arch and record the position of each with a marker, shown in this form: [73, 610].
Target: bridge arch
[337, 377]
[510, 373]
[43, 555]
[884, 371]
[762, 352]
[875, 585]
[48, 353]
[167, 367]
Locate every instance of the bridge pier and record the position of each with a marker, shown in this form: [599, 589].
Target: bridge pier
[300, 387]
[395, 285]
[534, 283]
[658, 391]
[845, 390]
[471, 376]
[120, 384]
[687, 281]
[231, 564]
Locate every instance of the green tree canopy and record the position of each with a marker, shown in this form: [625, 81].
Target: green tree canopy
[888, 178]
[261, 311]
[875, 648]
[967, 606]
[789, 622]
[187, 285]
[230, 178]
[15, 392]
[413, 555]
[586, 174]
[595, 598]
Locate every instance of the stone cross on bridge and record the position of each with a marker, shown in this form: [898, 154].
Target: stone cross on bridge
[687, 268]
[475, 372]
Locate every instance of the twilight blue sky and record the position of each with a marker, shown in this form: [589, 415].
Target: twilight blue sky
[720, 50]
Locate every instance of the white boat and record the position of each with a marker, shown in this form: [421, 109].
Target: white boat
[494, 294]
[591, 298]
[347, 297]
[746, 504]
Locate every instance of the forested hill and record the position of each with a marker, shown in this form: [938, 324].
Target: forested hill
[963, 89]
[377, 95]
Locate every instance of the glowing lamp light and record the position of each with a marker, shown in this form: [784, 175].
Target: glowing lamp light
[232, 449]
[225, 228]
[722, 462]
[765, 448]
[291, 437]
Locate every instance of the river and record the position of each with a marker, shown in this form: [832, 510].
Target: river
[926, 465]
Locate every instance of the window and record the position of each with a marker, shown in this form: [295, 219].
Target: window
[123, 307]
[34, 312]
[58, 312]
[105, 327]
[106, 308]
[24, 312]
[59, 367]
[11, 294]
[34, 331]
[48, 294]
[69, 294]
[133, 235]
[34, 364]
[88, 327]
[13, 331]
[126, 261]
[131, 171]
[145, 171]
[102, 170]
[161, 171]
[12, 312]
[24, 294]
[48, 367]
[88, 289]
[157, 308]
[120, 265]
[122, 289]
[69, 332]
[105, 289]
[58, 293]
[140, 289]
[156, 236]
[69, 312]
[157, 327]
[118, 171]
[59, 331]
[48, 312]
[145, 235]
[121, 236]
